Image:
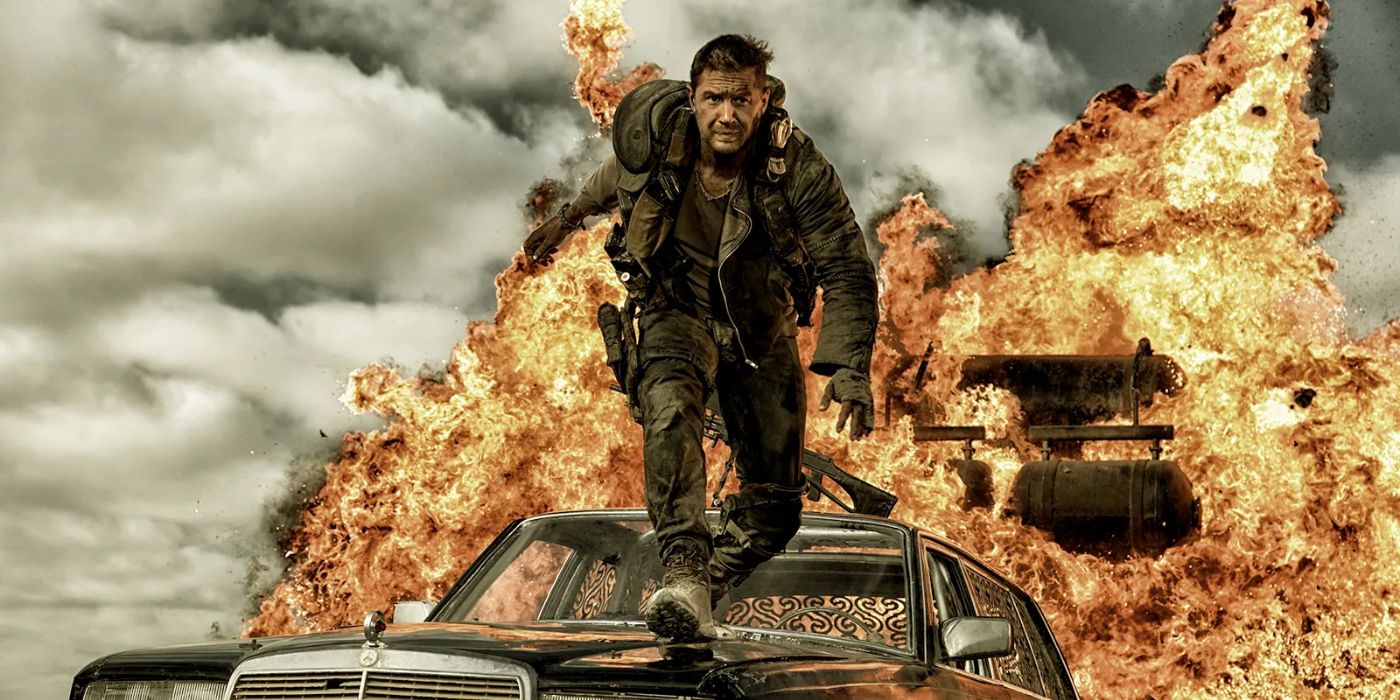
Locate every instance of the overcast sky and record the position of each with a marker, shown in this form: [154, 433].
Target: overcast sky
[214, 210]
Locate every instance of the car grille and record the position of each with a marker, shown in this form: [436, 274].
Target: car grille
[374, 685]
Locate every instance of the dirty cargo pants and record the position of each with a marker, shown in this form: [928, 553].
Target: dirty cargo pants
[765, 411]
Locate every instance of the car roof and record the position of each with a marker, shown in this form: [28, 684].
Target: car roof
[641, 513]
[807, 517]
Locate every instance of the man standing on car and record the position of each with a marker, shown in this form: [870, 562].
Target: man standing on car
[732, 218]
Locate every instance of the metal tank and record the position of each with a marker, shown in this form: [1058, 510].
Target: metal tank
[1113, 508]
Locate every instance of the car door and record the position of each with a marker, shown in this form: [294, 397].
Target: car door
[947, 597]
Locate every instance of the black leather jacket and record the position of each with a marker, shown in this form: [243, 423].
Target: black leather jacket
[755, 290]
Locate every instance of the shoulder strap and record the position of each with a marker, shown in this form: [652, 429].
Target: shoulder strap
[666, 164]
[777, 215]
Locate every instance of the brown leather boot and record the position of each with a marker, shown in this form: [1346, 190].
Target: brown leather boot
[679, 611]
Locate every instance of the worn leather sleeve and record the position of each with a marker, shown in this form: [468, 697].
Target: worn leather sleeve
[829, 232]
[599, 194]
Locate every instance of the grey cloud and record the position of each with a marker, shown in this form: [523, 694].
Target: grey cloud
[270, 297]
[1359, 129]
[454, 48]
[292, 371]
[1122, 41]
[1364, 241]
[241, 160]
[117, 455]
[106, 582]
[43, 285]
[105, 555]
[203, 238]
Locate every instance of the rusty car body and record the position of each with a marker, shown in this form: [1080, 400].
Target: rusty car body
[858, 606]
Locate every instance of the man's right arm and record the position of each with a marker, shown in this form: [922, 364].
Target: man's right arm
[599, 195]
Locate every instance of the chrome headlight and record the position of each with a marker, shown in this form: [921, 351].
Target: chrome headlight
[154, 690]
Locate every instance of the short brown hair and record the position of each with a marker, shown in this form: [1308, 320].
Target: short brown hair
[731, 52]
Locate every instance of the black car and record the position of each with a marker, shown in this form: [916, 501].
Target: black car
[856, 607]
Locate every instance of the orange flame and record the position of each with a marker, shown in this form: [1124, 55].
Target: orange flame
[595, 33]
[1188, 216]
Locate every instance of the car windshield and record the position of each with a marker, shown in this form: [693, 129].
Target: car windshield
[841, 578]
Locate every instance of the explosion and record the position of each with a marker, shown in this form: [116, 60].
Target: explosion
[1188, 216]
[595, 33]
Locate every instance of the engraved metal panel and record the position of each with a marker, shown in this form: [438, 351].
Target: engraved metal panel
[993, 600]
[826, 614]
[598, 586]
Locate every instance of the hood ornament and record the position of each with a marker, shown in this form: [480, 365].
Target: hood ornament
[374, 635]
[374, 628]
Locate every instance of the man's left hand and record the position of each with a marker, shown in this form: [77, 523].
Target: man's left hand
[851, 389]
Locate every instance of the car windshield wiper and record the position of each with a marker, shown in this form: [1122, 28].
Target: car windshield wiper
[607, 619]
[817, 639]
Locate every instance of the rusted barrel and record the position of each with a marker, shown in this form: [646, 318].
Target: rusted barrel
[1113, 508]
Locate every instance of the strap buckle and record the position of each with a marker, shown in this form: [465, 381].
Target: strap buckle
[670, 184]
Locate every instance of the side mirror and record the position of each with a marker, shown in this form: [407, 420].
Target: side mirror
[968, 638]
[407, 611]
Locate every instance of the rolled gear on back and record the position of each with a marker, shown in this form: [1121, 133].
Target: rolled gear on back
[645, 128]
[644, 121]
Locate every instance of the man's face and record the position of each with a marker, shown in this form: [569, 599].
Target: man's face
[728, 105]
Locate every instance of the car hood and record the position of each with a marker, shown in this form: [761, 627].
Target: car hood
[567, 654]
[204, 661]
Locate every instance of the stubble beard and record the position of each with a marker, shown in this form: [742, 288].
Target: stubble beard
[727, 151]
